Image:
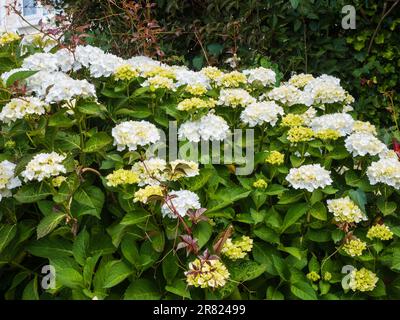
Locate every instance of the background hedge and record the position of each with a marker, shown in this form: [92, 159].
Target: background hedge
[299, 35]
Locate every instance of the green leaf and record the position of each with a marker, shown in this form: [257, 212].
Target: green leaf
[31, 290]
[91, 108]
[60, 120]
[294, 213]
[359, 197]
[294, 3]
[7, 233]
[267, 235]
[303, 291]
[139, 113]
[118, 271]
[318, 211]
[88, 200]
[50, 247]
[49, 223]
[142, 289]
[33, 192]
[198, 182]
[170, 266]
[67, 272]
[18, 76]
[290, 196]
[202, 233]
[245, 270]
[135, 217]
[386, 207]
[274, 294]
[179, 288]
[80, 247]
[97, 142]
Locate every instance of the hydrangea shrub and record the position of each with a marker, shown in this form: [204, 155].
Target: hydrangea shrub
[80, 194]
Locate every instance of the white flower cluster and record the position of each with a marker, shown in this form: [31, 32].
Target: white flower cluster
[309, 177]
[289, 95]
[58, 86]
[181, 201]
[266, 76]
[209, 127]
[131, 134]
[44, 165]
[150, 171]
[361, 144]
[300, 80]
[341, 122]
[185, 76]
[386, 170]
[345, 210]
[100, 64]
[364, 127]
[309, 115]
[19, 108]
[191, 169]
[258, 113]
[325, 89]
[7, 179]
[235, 98]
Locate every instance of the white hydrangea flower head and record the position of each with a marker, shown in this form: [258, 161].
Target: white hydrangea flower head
[190, 130]
[213, 127]
[159, 82]
[182, 201]
[131, 134]
[66, 61]
[44, 165]
[41, 62]
[209, 127]
[386, 171]
[143, 63]
[266, 76]
[326, 89]
[191, 168]
[289, 95]
[364, 127]
[309, 115]
[300, 80]
[341, 122]
[309, 177]
[258, 113]
[8, 181]
[236, 97]
[150, 171]
[70, 89]
[185, 76]
[19, 108]
[361, 144]
[345, 210]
